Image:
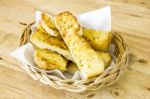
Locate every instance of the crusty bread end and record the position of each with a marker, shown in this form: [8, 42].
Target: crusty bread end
[86, 58]
[48, 24]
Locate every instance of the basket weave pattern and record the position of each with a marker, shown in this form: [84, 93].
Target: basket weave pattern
[108, 77]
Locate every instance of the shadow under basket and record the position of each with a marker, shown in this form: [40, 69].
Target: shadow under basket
[108, 77]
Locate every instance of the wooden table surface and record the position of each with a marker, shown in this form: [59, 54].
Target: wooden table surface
[130, 18]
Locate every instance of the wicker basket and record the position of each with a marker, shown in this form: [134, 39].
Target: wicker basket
[108, 77]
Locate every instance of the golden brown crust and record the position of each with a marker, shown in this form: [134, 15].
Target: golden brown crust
[106, 57]
[99, 40]
[67, 24]
[49, 25]
[48, 60]
[43, 40]
[44, 37]
[88, 61]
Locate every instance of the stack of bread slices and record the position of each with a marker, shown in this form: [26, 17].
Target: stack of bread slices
[61, 43]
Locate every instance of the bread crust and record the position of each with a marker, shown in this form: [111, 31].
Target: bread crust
[99, 40]
[88, 61]
[48, 24]
[49, 60]
[44, 41]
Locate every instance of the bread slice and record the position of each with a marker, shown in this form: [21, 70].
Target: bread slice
[106, 57]
[72, 67]
[99, 40]
[49, 60]
[88, 61]
[43, 40]
[48, 24]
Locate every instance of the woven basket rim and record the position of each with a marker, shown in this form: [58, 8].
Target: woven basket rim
[108, 77]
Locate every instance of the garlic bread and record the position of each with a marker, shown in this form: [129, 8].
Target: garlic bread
[72, 67]
[86, 58]
[49, 25]
[99, 40]
[106, 57]
[48, 60]
[43, 40]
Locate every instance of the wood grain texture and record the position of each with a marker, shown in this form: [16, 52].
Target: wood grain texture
[131, 18]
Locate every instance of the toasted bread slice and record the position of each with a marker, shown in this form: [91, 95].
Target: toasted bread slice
[72, 67]
[43, 40]
[49, 25]
[88, 61]
[99, 40]
[106, 57]
[49, 60]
